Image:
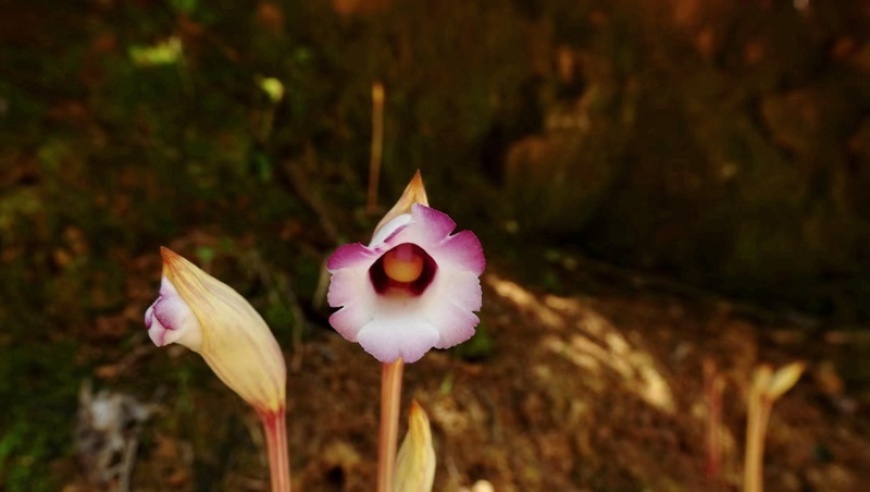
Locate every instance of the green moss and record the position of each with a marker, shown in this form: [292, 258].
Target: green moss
[38, 386]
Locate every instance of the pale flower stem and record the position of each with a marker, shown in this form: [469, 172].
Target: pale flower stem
[759, 414]
[391, 396]
[750, 461]
[275, 428]
[377, 146]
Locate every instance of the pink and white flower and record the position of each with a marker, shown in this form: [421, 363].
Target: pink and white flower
[414, 287]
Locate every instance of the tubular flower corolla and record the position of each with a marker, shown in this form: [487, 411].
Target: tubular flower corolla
[414, 287]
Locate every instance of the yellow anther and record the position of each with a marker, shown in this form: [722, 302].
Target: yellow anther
[403, 263]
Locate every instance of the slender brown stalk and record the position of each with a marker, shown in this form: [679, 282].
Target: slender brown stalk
[391, 395]
[275, 428]
[377, 146]
[714, 386]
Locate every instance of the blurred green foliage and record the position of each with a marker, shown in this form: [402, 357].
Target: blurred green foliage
[38, 387]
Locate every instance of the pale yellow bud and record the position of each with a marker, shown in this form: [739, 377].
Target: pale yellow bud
[415, 463]
[229, 334]
[415, 192]
[784, 379]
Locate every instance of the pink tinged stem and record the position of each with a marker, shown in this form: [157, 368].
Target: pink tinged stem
[275, 428]
[391, 395]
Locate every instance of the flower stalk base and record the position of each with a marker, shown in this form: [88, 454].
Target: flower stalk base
[275, 429]
[391, 396]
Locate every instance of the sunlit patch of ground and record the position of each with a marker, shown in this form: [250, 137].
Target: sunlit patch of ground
[588, 340]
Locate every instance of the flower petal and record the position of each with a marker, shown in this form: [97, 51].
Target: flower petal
[430, 229]
[433, 225]
[349, 256]
[389, 337]
[449, 307]
[170, 320]
[466, 292]
[388, 230]
[464, 251]
[347, 285]
[156, 330]
[349, 320]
